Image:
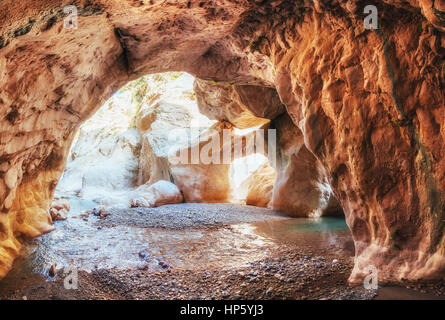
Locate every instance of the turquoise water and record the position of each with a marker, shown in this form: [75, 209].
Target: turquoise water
[314, 225]
[81, 244]
[327, 235]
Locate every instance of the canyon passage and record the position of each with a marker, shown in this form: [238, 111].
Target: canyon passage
[357, 116]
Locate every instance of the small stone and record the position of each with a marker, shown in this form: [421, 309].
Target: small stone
[103, 214]
[58, 214]
[253, 279]
[278, 276]
[52, 270]
[143, 254]
[164, 265]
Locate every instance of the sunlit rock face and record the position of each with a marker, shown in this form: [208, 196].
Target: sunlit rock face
[103, 162]
[243, 106]
[170, 121]
[59, 209]
[242, 179]
[157, 194]
[170, 108]
[103, 166]
[260, 186]
[201, 179]
[301, 187]
[369, 104]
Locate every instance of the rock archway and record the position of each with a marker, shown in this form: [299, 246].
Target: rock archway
[369, 103]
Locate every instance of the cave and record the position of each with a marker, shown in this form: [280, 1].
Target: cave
[359, 112]
[152, 184]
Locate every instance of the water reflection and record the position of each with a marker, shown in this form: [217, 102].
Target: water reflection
[324, 234]
[82, 244]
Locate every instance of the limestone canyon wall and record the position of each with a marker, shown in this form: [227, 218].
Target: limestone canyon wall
[369, 103]
[260, 186]
[301, 187]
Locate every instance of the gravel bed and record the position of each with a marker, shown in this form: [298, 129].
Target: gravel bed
[188, 215]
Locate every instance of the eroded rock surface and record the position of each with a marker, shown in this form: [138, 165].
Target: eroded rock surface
[301, 188]
[260, 186]
[156, 195]
[172, 108]
[369, 103]
[199, 179]
[59, 210]
[243, 106]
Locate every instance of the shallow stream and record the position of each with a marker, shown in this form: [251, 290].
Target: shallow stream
[87, 245]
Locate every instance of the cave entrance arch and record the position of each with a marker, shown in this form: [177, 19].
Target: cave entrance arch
[123, 146]
[128, 143]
